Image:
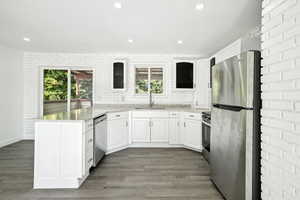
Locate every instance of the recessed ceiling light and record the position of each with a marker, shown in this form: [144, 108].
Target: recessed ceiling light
[130, 40]
[179, 42]
[26, 39]
[117, 5]
[199, 6]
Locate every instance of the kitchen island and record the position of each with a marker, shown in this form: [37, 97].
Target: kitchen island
[64, 142]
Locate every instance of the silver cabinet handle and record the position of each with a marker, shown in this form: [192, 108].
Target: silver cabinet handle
[126, 123]
[192, 115]
[90, 140]
[117, 115]
[184, 124]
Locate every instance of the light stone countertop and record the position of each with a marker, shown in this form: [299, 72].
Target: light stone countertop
[97, 110]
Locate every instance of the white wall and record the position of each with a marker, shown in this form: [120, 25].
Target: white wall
[281, 100]
[250, 41]
[103, 83]
[11, 101]
[231, 50]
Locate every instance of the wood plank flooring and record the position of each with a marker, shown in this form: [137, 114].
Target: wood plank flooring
[131, 174]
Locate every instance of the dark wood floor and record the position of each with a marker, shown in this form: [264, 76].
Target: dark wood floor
[132, 174]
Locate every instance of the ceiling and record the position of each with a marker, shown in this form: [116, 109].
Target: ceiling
[155, 26]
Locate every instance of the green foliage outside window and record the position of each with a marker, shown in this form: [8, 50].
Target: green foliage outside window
[55, 85]
[156, 86]
[142, 86]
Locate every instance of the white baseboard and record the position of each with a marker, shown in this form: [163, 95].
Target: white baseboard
[9, 141]
[28, 137]
[153, 145]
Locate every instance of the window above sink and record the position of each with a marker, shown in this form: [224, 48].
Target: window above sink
[149, 78]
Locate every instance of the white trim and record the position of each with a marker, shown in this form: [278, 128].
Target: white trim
[9, 141]
[69, 91]
[69, 69]
[152, 145]
[192, 61]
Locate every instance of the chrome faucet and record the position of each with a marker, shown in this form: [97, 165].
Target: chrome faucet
[151, 102]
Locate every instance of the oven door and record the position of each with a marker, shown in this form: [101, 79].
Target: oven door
[206, 136]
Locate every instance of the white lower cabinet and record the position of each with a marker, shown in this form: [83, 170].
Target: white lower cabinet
[140, 130]
[63, 153]
[159, 130]
[174, 131]
[150, 127]
[117, 132]
[192, 134]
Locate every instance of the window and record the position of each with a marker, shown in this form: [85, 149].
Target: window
[184, 75]
[66, 89]
[119, 75]
[149, 77]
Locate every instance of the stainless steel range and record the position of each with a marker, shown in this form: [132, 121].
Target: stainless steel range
[206, 134]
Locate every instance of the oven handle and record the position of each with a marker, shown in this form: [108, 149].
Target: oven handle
[207, 124]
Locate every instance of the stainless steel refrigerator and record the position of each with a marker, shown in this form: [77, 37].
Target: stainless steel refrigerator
[235, 127]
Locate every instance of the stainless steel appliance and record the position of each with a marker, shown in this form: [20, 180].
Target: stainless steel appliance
[100, 138]
[235, 127]
[206, 134]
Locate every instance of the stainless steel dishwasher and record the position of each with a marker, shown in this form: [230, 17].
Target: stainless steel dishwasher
[100, 138]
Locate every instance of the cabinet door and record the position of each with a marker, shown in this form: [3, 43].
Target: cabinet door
[140, 130]
[174, 131]
[117, 134]
[159, 130]
[193, 134]
[203, 84]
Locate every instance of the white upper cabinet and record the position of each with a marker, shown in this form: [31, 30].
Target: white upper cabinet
[119, 75]
[202, 93]
[184, 75]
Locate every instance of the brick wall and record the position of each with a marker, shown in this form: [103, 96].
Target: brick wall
[281, 100]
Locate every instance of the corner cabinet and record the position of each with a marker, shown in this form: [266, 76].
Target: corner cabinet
[117, 131]
[119, 77]
[175, 128]
[63, 153]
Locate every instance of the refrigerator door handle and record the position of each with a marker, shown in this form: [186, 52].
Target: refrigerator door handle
[226, 107]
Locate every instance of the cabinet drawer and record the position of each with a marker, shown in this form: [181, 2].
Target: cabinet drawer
[193, 116]
[117, 115]
[174, 114]
[88, 125]
[150, 114]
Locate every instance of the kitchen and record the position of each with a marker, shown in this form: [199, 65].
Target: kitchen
[137, 106]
